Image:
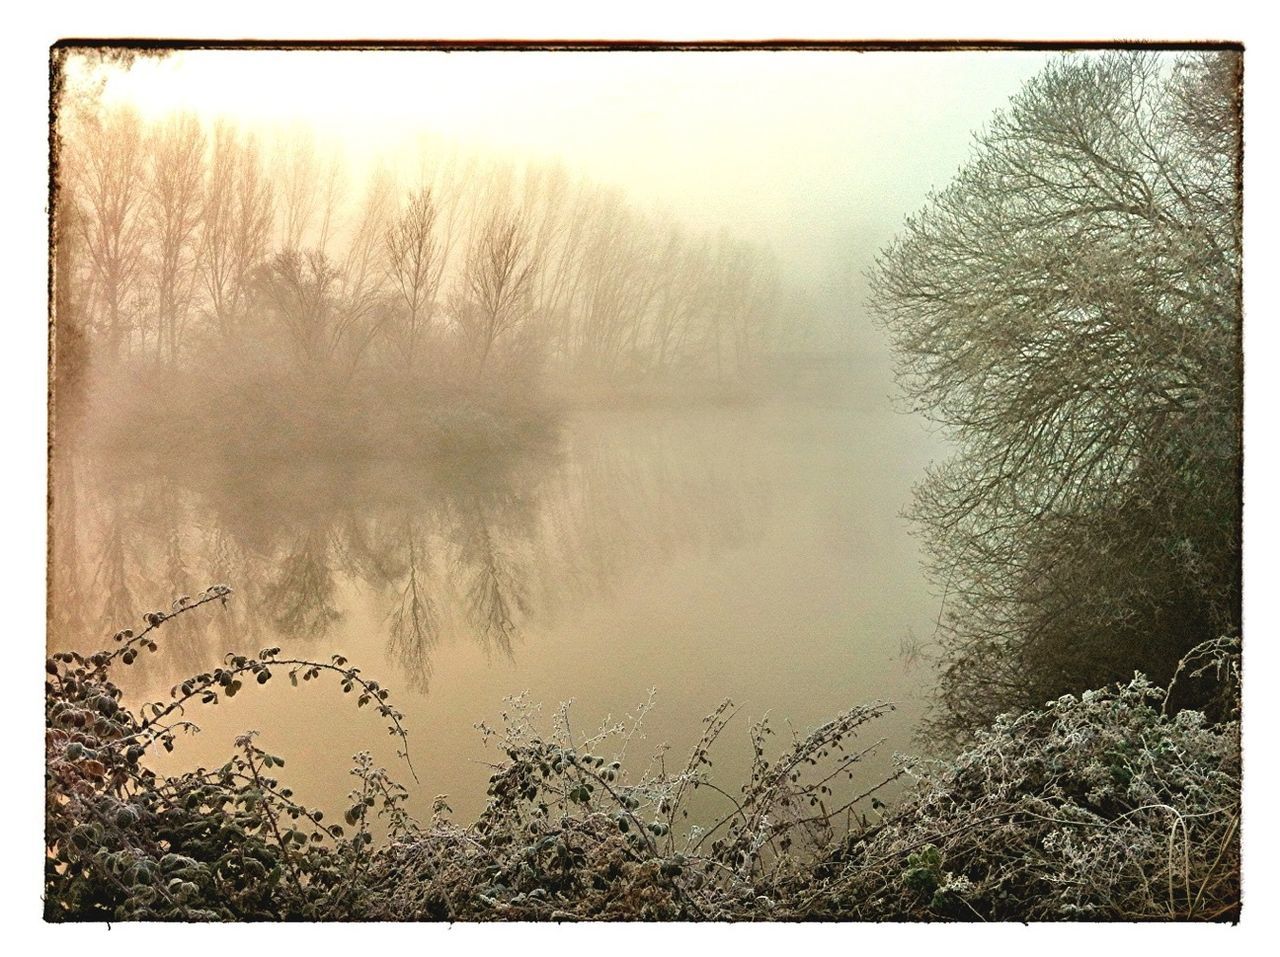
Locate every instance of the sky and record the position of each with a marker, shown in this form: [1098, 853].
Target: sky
[819, 153]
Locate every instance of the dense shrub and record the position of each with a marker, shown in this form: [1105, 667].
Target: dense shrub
[125, 843]
[1105, 806]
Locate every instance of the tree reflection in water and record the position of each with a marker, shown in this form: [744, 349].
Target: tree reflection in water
[470, 549]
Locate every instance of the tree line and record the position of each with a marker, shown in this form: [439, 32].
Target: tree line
[177, 238]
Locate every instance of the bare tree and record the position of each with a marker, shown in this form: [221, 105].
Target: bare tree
[110, 185]
[176, 173]
[497, 282]
[416, 259]
[363, 267]
[327, 311]
[302, 291]
[297, 177]
[72, 288]
[237, 216]
[686, 267]
[561, 254]
[1068, 309]
[217, 225]
[744, 299]
[617, 283]
[334, 180]
[546, 205]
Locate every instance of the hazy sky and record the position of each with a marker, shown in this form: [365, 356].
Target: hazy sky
[820, 153]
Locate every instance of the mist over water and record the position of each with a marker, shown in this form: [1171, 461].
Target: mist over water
[749, 552]
[573, 409]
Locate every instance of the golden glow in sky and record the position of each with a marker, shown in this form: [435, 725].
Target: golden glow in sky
[809, 150]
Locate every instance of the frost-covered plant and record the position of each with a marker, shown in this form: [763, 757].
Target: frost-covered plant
[568, 833]
[126, 843]
[1106, 806]
[1110, 805]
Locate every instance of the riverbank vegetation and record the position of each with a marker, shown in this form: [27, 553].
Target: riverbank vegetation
[1068, 312]
[1110, 805]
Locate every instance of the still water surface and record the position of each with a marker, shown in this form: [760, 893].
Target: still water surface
[754, 553]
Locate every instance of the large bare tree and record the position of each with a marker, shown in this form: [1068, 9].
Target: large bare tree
[237, 216]
[109, 166]
[1068, 309]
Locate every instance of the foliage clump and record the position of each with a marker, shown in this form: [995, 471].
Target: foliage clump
[1103, 806]
[126, 843]
[567, 836]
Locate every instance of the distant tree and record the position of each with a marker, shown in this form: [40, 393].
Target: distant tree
[551, 202]
[72, 287]
[497, 281]
[416, 256]
[109, 185]
[745, 294]
[297, 184]
[302, 292]
[1068, 309]
[236, 222]
[685, 266]
[328, 311]
[619, 285]
[364, 265]
[174, 187]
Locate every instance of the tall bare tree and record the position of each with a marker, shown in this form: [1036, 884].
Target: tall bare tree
[327, 311]
[498, 281]
[110, 185]
[297, 179]
[416, 258]
[237, 216]
[1068, 309]
[176, 174]
[685, 266]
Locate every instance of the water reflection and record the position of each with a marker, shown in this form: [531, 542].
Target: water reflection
[476, 550]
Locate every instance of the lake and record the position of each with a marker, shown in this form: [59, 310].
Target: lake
[753, 552]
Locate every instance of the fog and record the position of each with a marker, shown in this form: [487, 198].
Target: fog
[502, 372]
[820, 154]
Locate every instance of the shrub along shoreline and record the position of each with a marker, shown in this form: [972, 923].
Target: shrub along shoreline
[1113, 805]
